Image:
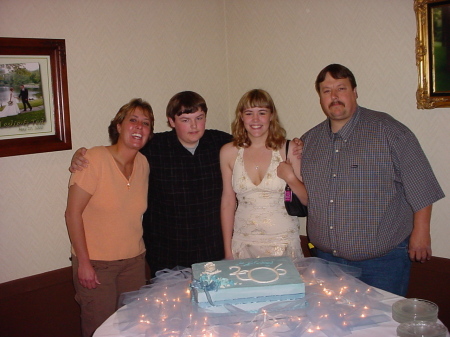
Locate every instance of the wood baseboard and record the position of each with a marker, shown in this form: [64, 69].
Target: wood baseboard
[431, 281]
[40, 305]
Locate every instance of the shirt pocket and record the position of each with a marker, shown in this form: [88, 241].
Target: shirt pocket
[370, 180]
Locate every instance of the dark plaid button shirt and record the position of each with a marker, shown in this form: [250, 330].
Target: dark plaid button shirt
[182, 222]
[364, 185]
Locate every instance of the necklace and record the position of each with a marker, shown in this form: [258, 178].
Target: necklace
[257, 167]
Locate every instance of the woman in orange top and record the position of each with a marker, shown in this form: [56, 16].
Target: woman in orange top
[105, 205]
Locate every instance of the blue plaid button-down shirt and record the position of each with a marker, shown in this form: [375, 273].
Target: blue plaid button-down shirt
[364, 184]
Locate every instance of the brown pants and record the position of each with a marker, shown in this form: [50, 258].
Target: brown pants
[116, 277]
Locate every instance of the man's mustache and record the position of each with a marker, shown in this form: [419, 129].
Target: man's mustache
[336, 103]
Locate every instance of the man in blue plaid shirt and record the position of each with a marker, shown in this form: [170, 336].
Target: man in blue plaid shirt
[370, 187]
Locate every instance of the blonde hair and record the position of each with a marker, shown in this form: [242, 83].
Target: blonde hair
[252, 99]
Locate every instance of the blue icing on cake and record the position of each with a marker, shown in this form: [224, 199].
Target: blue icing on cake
[240, 282]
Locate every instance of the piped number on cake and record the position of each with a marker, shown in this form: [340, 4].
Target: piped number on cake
[247, 275]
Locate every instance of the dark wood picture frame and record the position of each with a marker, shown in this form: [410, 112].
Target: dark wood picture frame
[429, 95]
[55, 50]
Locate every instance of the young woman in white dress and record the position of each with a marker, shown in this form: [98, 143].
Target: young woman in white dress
[11, 109]
[251, 169]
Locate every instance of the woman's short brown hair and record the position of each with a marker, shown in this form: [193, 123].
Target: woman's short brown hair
[252, 99]
[123, 112]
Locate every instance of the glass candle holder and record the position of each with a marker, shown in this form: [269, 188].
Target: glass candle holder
[414, 309]
[421, 329]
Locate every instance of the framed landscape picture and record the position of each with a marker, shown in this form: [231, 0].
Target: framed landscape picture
[34, 102]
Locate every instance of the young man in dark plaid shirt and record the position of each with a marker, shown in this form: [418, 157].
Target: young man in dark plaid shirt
[182, 222]
[370, 187]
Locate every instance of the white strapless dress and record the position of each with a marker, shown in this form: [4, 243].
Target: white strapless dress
[262, 226]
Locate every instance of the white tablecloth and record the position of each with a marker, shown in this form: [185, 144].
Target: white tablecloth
[385, 326]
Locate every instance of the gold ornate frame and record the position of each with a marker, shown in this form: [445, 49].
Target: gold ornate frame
[427, 98]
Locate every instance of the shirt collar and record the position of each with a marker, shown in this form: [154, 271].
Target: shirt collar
[176, 141]
[347, 129]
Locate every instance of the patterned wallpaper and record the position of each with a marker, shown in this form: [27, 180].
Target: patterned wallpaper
[152, 49]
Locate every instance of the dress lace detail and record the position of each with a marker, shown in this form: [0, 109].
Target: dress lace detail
[262, 226]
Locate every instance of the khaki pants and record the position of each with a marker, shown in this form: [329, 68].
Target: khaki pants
[116, 277]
